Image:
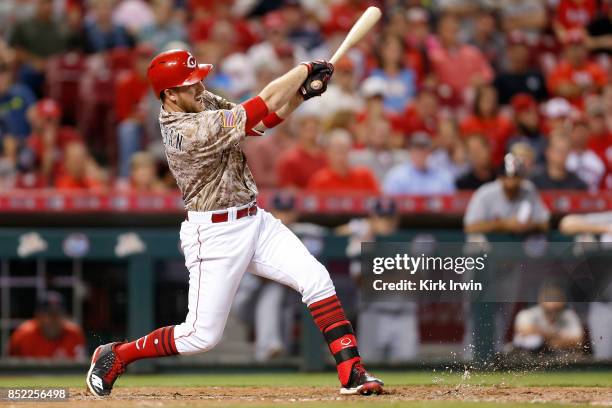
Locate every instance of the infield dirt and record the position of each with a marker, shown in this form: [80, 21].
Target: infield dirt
[326, 396]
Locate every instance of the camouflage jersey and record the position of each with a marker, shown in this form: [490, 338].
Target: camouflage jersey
[204, 155]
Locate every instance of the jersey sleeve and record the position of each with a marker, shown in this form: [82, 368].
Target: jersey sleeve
[476, 210]
[524, 320]
[571, 324]
[225, 127]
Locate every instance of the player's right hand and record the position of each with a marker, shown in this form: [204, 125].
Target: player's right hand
[318, 66]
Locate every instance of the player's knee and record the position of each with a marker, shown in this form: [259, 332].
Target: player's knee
[206, 341]
[319, 284]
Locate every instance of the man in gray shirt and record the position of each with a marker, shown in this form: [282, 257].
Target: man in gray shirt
[509, 204]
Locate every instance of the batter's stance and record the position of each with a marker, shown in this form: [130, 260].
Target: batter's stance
[225, 234]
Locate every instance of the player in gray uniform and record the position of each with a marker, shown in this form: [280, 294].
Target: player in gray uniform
[226, 234]
[509, 204]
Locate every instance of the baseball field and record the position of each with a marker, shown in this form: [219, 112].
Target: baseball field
[431, 389]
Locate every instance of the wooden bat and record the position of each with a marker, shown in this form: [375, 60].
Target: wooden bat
[357, 32]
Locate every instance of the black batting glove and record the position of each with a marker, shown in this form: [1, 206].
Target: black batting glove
[317, 66]
[319, 74]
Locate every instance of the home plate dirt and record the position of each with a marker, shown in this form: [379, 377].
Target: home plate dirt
[220, 396]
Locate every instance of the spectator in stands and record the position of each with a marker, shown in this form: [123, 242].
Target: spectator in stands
[302, 30]
[600, 30]
[9, 158]
[606, 97]
[49, 139]
[400, 82]
[133, 15]
[527, 128]
[559, 114]
[298, 164]
[143, 175]
[79, 170]
[275, 38]
[575, 76]
[378, 155]
[583, 161]
[526, 155]
[339, 176]
[388, 331]
[165, 29]
[417, 176]
[482, 171]
[509, 204]
[525, 15]
[600, 140]
[422, 114]
[8, 174]
[416, 35]
[50, 334]
[486, 36]
[216, 21]
[584, 227]
[35, 40]
[100, 33]
[555, 176]
[342, 94]
[518, 76]
[488, 121]
[229, 77]
[548, 327]
[457, 65]
[341, 15]
[131, 90]
[449, 153]
[272, 146]
[373, 91]
[15, 100]
[573, 15]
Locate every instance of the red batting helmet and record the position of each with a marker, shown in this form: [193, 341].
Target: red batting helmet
[175, 68]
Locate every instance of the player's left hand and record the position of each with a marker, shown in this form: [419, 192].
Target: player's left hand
[320, 72]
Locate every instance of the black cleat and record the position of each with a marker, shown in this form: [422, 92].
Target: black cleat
[362, 383]
[105, 368]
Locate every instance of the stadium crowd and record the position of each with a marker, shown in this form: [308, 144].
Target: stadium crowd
[427, 104]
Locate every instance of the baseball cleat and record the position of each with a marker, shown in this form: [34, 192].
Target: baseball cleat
[106, 367]
[362, 383]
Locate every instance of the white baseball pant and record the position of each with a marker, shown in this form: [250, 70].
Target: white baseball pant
[218, 254]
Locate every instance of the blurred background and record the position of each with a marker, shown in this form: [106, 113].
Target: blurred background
[419, 115]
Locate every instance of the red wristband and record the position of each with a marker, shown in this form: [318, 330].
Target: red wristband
[272, 120]
[256, 109]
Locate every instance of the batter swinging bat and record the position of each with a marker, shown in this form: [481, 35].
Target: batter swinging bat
[357, 32]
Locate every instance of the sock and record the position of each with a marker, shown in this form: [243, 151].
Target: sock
[329, 316]
[158, 343]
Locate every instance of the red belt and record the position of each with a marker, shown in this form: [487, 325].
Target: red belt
[224, 216]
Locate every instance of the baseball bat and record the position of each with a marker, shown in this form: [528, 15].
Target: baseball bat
[356, 33]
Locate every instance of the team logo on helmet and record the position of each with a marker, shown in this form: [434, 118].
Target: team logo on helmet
[191, 62]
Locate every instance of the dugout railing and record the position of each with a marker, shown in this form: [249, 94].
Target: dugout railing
[137, 251]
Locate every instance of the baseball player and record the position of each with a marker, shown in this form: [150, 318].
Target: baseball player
[225, 233]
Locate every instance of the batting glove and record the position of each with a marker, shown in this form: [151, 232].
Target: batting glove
[319, 74]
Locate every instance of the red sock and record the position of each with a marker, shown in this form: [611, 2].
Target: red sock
[329, 316]
[159, 343]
